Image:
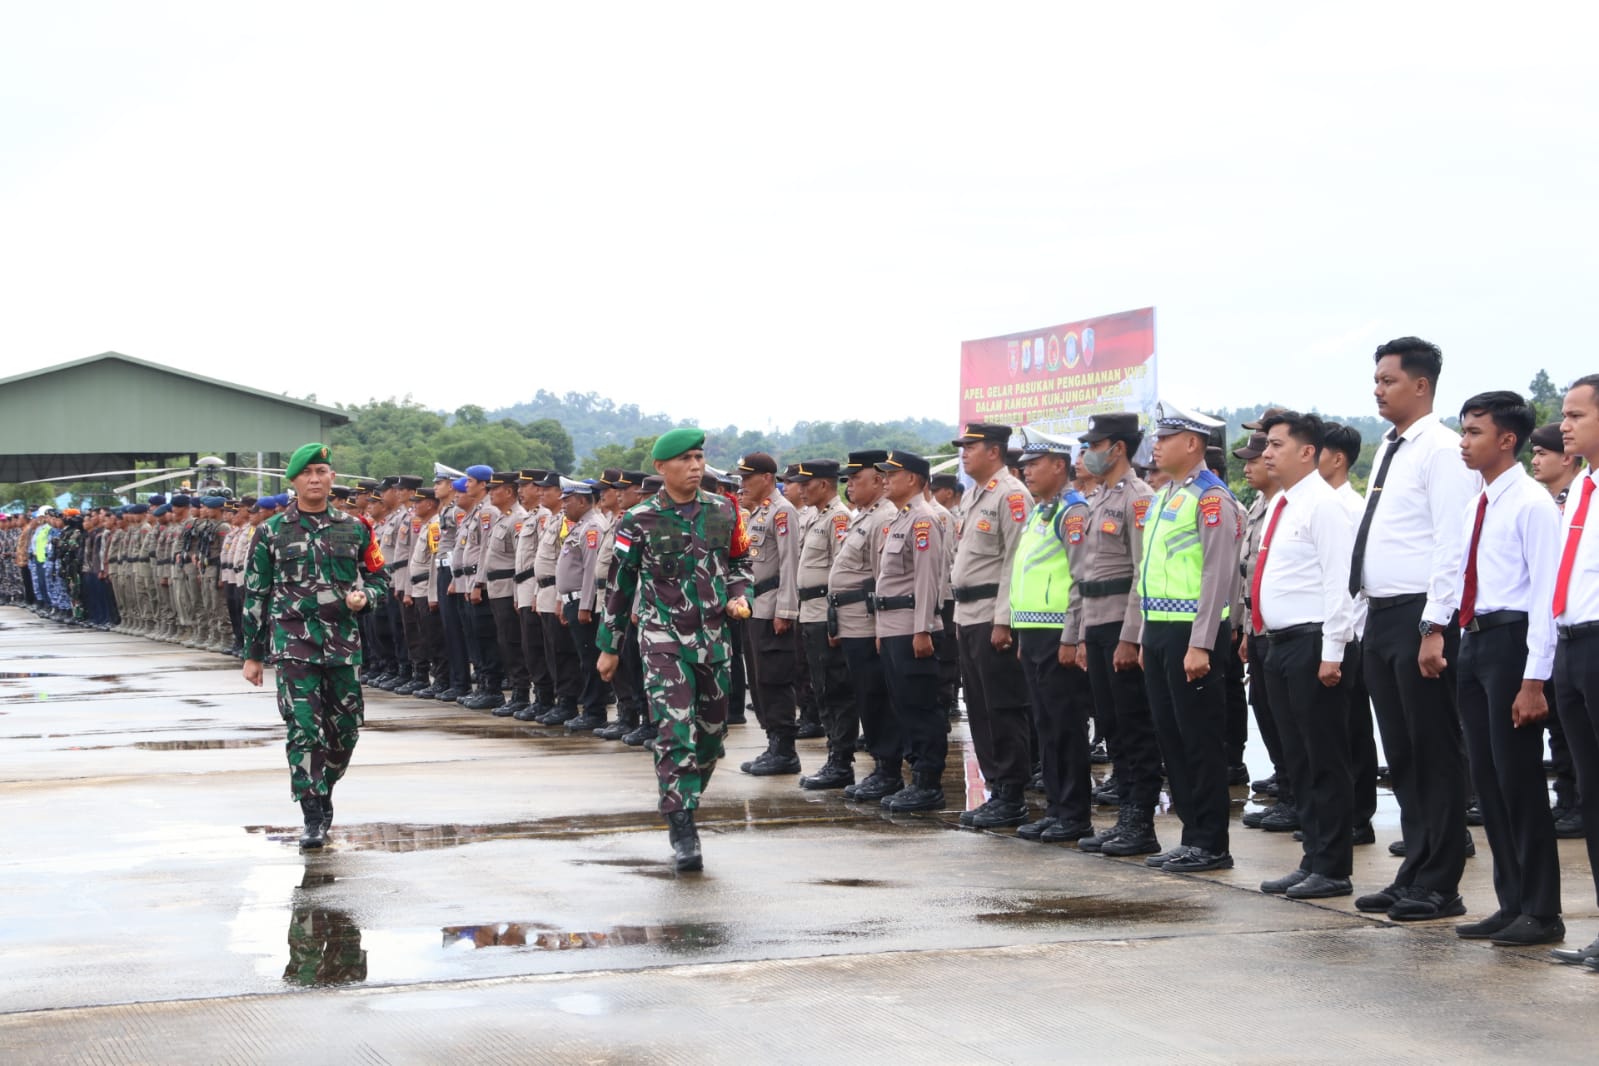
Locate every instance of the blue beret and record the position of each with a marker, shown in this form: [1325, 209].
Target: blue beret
[480, 472]
[212, 501]
[165, 508]
[459, 484]
[179, 500]
[138, 508]
[157, 500]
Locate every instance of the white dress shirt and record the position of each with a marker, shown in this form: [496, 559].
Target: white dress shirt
[1414, 544]
[1518, 553]
[1306, 575]
[1582, 593]
[1355, 504]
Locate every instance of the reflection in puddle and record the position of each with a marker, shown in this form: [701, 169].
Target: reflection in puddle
[324, 942]
[199, 745]
[1034, 909]
[18, 677]
[689, 937]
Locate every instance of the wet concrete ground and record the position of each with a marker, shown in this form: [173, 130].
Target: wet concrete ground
[501, 892]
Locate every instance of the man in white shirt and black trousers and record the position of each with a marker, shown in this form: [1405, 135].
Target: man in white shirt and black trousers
[1506, 653]
[1576, 613]
[1300, 601]
[1407, 563]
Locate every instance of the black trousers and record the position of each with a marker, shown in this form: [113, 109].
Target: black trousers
[1061, 697]
[508, 634]
[1421, 735]
[480, 619]
[235, 612]
[998, 709]
[1122, 704]
[769, 661]
[913, 697]
[738, 687]
[1191, 722]
[1507, 770]
[467, 616]
[1577, 682]
[946, 651]
[1237, 702]
[560, 652]
[593, 695]
[391, 634]
[1265, 720]
[804, 692]
[835, 703]
[533, 657]
[879, 728]
[631, 704]
[430, 626]
[1560, 754]
[402, 627]
[1313, 722]
[454, 626]
[1362, 739]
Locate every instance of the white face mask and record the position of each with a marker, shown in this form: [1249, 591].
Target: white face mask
[1099, 463]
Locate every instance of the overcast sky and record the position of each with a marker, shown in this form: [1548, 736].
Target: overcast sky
[731, 214]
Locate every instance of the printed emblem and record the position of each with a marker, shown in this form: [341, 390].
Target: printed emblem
[1140, 512]
[519, 527]
[780, 522]
[984, 525]
[1074, 528]
[840, 526]
[922, 530]
[1018, 507]
[1109, 527]
[1210, 507]
[416, 527]
[592, 539]
[487, 521]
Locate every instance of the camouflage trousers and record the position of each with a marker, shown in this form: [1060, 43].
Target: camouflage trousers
[322, 707]
[688, 705]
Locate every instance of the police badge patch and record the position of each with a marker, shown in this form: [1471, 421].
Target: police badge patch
[1210, 507]
[1074, 528]
[922, 529]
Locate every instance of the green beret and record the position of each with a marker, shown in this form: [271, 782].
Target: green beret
[304, 456]
[672, 444]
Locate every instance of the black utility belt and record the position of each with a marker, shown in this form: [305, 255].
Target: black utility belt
[1383, 603]
[464, 571]
[1581, 629]
[521, 576]
[767, 585]
[420, 579]
[812, 592]
[500, 575]
[896, 603]
[1114, 586]
[546, 582]
[974, 593]
[391, 567]
[1306, 629]
[860, 595]
[1493, 619]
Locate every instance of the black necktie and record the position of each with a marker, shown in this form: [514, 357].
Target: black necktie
[1357, 565]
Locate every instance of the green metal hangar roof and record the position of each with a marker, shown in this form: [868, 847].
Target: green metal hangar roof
[110, 410]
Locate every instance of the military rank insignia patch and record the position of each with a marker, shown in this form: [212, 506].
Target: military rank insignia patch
[1109, 527]
[1018, 507]
[984, 525]
[923, 531]
[1140, 512]
[1210, 507]
[1074, 528]
[592, 539]
[990, 486]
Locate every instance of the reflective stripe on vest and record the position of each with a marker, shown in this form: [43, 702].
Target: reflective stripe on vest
[1173, 563]
[1040, 576]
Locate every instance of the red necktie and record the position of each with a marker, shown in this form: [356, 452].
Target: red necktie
[1468, 596]
[1568, 558]
[1255, 621]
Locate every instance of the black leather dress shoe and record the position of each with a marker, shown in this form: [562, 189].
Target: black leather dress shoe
[1035, 830]
[1486, 928]
[1577, 955]
[1284, 883]
[1363, 834]
[1320, 886]
[1379, 902]
[1061, 833]
[1397, 848]
[1425, 906]
[1528, 930]
[1199, 860]
[1159, 860]
[1568, 825]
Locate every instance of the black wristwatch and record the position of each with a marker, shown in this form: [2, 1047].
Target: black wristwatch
[1427, 628]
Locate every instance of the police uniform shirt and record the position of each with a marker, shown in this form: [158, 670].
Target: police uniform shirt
[995, 514]
[477, 532]
[774, 556]
[946, 522]
[544, 563]
[527, 546]
[499, 556]
[856, 563]
[580, 550]
[419, 565]
[403, 539]
[594, 576]
[1220, 528]
[1518, 555]
[820, 536]
[1414, 542]
[464, 520]
[909, 565]
[1112, 546]
[1307, 566]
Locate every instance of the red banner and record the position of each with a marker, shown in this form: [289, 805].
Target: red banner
[1054, 378]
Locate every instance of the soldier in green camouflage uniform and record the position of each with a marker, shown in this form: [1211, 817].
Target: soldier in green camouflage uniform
[680, 566]
[311, 571]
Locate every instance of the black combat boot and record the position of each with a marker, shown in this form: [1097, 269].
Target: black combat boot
[419, 681]
[1136, 838]
[685, 841]
[1007, 808]
[493, 697]
[315, 835]
[1124, 815]
[471, 699]
[591, 719]
[884, 780]
[327, 813]
[560, 714]
[519, 700]
[925, 794]
[780, 758]
[532, 712]
[1108, 794]
[838, 772]
[637, 737]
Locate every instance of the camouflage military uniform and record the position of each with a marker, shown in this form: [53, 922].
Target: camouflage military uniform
[301, 567]
[678, 559]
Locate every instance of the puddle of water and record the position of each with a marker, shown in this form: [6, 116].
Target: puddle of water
[852, 882]
[199, 745]
[686, 938]
[1030, 909]
[324, 948]
[8, 676]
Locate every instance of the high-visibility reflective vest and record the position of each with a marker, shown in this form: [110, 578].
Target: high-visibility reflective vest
[1173, 563]
[1040, 576]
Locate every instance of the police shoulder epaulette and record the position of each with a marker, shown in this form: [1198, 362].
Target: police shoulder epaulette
[1073, 498]
[1206, 480]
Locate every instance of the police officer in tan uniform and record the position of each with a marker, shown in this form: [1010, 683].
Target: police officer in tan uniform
[560, 654]
[995, 511]
[499, 574]
[579, 612]
[541, 683]
[769, 650]
[824, 526]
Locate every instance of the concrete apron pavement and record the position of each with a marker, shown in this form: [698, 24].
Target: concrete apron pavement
[503, 892]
